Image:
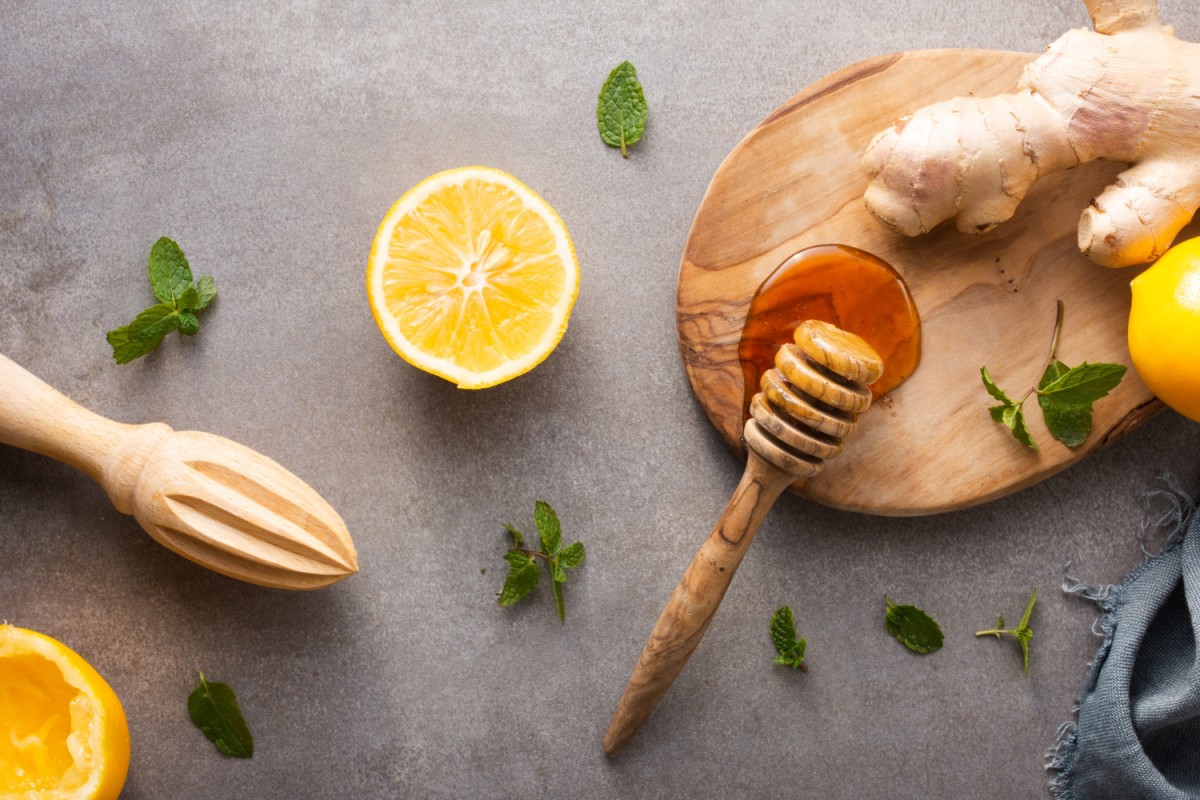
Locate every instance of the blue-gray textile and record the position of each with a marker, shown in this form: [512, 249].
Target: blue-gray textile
[1138, 729]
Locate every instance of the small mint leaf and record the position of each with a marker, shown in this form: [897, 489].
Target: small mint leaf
[913, 628]
[621, 108]
[997, 413]
[206, 290]
[170, 275]
[214, 709]
[1014, 418]
[571, 557]
[188, 300]
[783, 630]
[1070, 423]
[549, 528]
[1085, 383]
[188, 324]
[557, 573]
[1054, 370]
[994, 390]
[518, 540]
[523, 575]
[1028, 611]
[144, 334]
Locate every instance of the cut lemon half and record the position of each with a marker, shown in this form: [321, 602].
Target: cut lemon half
[472, 277]
[63, 734]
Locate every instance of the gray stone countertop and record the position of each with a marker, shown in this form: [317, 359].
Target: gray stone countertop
[269, 139]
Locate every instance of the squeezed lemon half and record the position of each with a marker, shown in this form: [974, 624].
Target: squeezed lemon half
[63, 734]
[472, 277]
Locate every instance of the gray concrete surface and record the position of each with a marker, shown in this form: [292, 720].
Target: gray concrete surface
[269, 139]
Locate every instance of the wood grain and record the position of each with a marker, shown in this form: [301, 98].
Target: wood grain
[930, 445]
[210, 499]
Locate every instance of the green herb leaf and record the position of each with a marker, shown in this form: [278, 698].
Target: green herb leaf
[1085, 383]
[188, 324]
[994, 390]
[549, 528]
[913, 628]
[1022, 633]
[144, 334]
[1065, 395]
[518, 540]
[206, 288]
[524, 568]
[571, 557]
[523, 575]
[171, 280]
[783, 636]
[1067, 422]
[170, 275]
[621, 110]
[214, 708]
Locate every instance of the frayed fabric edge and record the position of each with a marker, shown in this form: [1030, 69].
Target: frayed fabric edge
[1177, 511]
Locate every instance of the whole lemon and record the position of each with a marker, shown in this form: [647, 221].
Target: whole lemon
[1164, 328]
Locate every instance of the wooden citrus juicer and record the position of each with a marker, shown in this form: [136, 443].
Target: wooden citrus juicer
[206, 497]
[807, 404]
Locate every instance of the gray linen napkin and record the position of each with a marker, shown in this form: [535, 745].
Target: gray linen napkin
[1138, 730]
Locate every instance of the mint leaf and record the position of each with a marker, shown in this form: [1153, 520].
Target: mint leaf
[1022, 633]
[913, 628]
[549, 529]
[571, 557]
[1067, 422]
[518, 540]
[145, 333]
[524, 569]
[214, 708]
[206, 288]
[1014, 418]
[994, 390]
[188, 324]
[1085, 383]
[523, 575]
[171, 280]
[783, 636]
[1054, 370]
[621, 110]
[170, 275]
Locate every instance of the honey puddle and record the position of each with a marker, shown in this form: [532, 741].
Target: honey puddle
[842, 285]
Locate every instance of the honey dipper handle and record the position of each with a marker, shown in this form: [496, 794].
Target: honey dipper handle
[35, 416]
[695, 600]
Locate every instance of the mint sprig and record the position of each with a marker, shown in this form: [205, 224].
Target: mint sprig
[523, 564]
[214, 708]
[1022, 633]
[1065, 394]
[912, 627]
[621, 109]
[783, 636]
[178, 301]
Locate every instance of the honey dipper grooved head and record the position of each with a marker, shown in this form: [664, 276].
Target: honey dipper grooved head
[812, 398]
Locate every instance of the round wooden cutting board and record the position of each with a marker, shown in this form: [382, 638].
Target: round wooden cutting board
[930, 445]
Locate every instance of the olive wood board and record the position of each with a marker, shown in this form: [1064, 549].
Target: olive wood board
[929, 445]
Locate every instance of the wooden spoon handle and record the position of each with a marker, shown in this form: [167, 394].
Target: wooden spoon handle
[695, 600]
[35, 416]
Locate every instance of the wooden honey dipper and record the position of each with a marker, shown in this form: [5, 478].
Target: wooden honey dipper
[807, 404]
[208, 498]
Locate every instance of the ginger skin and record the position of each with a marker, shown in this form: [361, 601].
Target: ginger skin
[1128, 91]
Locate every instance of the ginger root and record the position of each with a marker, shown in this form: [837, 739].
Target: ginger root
[1128, 91]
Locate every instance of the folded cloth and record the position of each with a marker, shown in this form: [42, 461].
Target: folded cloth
[1138, 729]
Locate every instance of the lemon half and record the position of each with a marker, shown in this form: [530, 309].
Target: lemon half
[1164, 328]
[472, 277]
[63, 733]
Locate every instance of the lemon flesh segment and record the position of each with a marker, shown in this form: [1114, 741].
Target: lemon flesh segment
[63, 733]
[472, 277]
